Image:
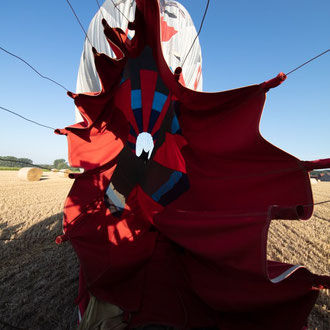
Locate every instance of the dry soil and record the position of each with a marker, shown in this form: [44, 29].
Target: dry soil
[39, 280]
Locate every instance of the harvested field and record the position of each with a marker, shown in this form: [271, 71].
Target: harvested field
[307, 243]
[39, 280]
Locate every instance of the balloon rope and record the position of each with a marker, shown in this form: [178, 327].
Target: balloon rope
[200, 29]
[42, 76]
[116, 6]
[26, 163]
[312, 59]
[32, 121]
[79, 21]
[319, 203]
[98, 4]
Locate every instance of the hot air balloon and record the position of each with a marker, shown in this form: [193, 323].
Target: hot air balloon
[162, 232]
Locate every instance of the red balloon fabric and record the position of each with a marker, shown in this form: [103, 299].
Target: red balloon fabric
[177, 235]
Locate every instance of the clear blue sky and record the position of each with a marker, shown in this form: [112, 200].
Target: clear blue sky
[243, 42]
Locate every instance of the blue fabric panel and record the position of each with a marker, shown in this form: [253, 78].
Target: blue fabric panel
[113, 197]
[179, 188]
[153, 118]
[123, 79]
[175, 125]
[158, 101]
[136, 99]
[167, 186]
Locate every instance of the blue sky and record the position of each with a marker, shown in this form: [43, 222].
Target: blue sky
[243, 43]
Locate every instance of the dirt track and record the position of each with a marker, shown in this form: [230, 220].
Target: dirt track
[39, 280]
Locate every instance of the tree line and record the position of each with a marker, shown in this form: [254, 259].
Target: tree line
[11, 161]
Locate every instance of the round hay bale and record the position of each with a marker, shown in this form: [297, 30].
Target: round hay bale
[55, 170]
[64, 173]
[30, 173]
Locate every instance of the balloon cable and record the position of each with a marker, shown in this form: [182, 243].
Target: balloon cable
[22, 162]
[100, 9]
[32, 121]
[116, 6]
[79, 21]
[312, 59]
[200, 29]
[36, 71]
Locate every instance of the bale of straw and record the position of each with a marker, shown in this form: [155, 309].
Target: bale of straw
[30, 173]
[64, 173]
[55, 170]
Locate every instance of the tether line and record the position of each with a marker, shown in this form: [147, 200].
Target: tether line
[98, 4]
[100, 9]
[35, 70]
[116, 6]
[32, 121]
[319, 203]
[312, 59]
[200, 29]
[21, 162]
[78, 20]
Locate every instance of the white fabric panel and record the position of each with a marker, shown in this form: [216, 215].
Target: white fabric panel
[144, 142]
[88, 80]
[175, 50]
[285, 274]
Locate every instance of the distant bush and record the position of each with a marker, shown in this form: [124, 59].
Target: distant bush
[60, 164]
[11, 161]
[3, 168]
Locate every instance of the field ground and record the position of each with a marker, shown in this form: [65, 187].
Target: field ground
[307, 243]
[39, 280]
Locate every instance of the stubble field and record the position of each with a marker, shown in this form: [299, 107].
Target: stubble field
[39, 280]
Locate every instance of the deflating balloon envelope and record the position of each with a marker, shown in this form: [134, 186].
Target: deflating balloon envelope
[177, 34]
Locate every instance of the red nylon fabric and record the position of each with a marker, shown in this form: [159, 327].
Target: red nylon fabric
[199, 260]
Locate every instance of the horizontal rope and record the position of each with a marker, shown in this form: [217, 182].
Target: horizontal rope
[26, 163]
[35, 70]
[319, 203]
[27, 119]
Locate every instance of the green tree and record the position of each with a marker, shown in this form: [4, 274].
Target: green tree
[60, 164]
[8, 161]
[24, 162]
[11, 161]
